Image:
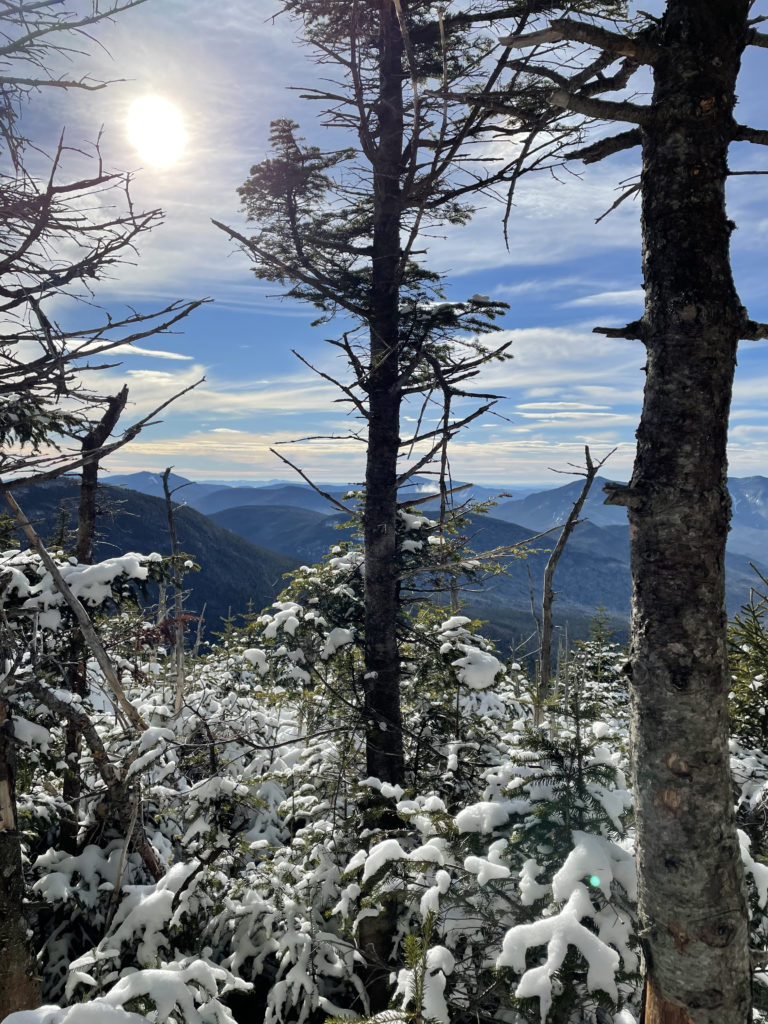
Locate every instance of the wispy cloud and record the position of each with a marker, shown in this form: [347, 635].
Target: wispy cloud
[623, 297]
[228, 68]
[136, 350]
[226, 399]
[561, 405]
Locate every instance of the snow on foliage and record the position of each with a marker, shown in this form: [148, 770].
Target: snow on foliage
[36, 594]
[439, 964]
[557, 933]
[478, 669]
[97, 1012]
[758, 871]
[501, 870]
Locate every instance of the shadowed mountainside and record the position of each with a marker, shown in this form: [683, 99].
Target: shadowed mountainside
[233, 571]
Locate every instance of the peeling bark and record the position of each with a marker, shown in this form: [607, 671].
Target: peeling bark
[659, 1011]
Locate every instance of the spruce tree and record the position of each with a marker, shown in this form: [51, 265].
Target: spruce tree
[343, 230]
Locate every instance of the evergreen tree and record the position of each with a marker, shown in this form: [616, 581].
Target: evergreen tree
[341, 230]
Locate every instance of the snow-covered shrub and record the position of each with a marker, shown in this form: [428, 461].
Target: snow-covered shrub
[591, 684]
[748, 657]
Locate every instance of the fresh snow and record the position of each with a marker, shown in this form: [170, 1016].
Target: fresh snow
[485, 816]
[477, 669]
[557, 934]
[30, 733]
[96, 1012]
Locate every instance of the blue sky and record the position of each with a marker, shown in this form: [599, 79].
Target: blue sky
[229, 70]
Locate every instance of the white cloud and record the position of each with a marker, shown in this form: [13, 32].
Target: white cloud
[220, 397]
[552, 222]
[566, 358]
[228, 69]
[623, 297]
[135, 350]
[560, 405]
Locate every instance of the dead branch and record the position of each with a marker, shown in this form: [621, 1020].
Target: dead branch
[548, 594]
[86, 626]
[314, 486]
[601, 110]
[607, 147]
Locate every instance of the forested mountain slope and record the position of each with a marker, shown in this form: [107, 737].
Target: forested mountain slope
[234, 573]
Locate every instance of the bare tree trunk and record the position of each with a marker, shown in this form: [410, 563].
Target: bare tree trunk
[692, 905]
[384, 741]
[178, 600]
[19, 986]
[383, 723]
[89, 479]
[76, 680]
[544, 687]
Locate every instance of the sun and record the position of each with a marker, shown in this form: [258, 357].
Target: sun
[156, 129]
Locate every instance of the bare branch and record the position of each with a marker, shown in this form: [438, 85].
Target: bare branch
[539, 38]
[567, 30]
[754, 331]
[602, 110]
[607, 147]
[319, 490]
[631, 191]
[351, 396]
[744, 133]
[632, 332]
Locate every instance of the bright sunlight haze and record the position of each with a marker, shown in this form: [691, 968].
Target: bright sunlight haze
[156, 129]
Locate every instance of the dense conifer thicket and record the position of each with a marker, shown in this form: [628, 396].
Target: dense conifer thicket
[224, 856]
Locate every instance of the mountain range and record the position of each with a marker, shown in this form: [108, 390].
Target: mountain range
[234, 573]
[246, 538]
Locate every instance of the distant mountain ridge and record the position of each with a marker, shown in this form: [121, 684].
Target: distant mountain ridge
[233, 572]
[538, 510]
[213, 497]
[544, 509]
[152, 483]
[294, 523]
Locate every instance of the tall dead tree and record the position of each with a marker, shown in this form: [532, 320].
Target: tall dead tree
[693, 915]
[178, 594]
[544, 689]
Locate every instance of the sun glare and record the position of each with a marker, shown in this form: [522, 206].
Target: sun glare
[156, 129]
